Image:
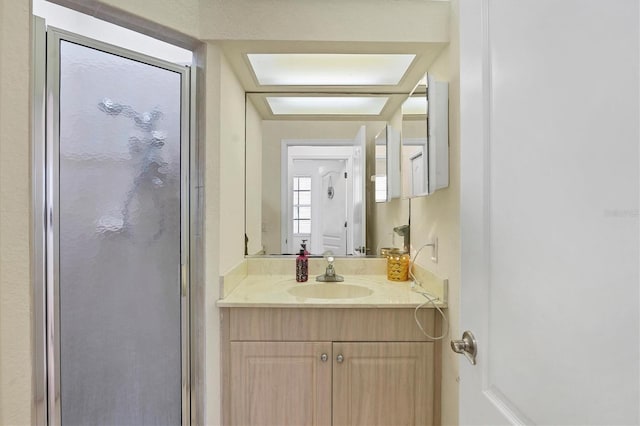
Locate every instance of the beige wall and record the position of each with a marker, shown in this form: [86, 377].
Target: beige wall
[224, 204]
[232, 148]
[15, 212]
[178, 21]
[182, 15]
[436, 215]
[327, 20]
[212, 214]
[273, 132]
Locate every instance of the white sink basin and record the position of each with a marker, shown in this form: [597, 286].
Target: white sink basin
[330, 291]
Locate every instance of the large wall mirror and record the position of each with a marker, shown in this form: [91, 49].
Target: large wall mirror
[310, 141]
[315, 183]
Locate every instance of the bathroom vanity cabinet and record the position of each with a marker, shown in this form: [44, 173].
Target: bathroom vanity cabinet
[323, 366]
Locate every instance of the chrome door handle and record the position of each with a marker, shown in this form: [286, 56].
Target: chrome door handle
[340, 358]
[468, 346]
[324, 357]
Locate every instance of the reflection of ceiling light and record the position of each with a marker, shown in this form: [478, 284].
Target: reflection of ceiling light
[415, 105]
[326, 105]
[320, 69]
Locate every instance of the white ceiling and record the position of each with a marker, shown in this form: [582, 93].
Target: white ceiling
[237, 53]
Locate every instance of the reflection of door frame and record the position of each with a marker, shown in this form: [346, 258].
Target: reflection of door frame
[285, 219]
[46, 233]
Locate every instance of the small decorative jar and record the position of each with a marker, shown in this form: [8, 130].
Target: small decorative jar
[398, 265]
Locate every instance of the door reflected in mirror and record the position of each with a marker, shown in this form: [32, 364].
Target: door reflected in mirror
[425, 139]
[415, 155]
[380, 181]
[319, 201]
[387, 156]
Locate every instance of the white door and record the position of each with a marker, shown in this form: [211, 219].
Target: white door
[417, 174]
[549, 211]
[333, 207]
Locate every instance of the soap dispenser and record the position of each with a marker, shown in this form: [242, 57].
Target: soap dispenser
[302, 265]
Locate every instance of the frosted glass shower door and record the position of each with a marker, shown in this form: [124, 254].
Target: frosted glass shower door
[117, 158]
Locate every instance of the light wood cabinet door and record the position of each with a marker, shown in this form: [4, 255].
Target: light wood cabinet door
[383, 383]
[280, 383]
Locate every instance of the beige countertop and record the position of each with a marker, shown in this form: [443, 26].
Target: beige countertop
[278, 291]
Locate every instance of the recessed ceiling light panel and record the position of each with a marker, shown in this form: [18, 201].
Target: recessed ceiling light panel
[326, 105]
[320, 69]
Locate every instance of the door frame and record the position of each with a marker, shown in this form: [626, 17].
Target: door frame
[45, 220]
[39, 219]
[285, 187]
[293, 241]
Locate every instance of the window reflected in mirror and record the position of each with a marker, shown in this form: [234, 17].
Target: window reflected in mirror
[302, 206]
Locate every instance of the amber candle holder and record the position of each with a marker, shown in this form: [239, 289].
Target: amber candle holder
[398, 265]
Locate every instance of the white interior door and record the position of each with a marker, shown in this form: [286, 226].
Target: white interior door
[333, 205]
[417, 174]
[549, 211]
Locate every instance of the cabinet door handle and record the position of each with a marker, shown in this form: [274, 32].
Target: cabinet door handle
[324, 357]
[340, 358]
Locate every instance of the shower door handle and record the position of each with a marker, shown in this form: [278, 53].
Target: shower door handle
[183, 279]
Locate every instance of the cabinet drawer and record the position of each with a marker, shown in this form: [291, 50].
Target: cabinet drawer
[318, 324]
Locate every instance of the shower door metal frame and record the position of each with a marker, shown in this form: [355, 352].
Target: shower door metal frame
[39, 220]
[46, 197]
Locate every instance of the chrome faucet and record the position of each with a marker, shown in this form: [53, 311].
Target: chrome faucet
[404, 231]
[330, 275]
